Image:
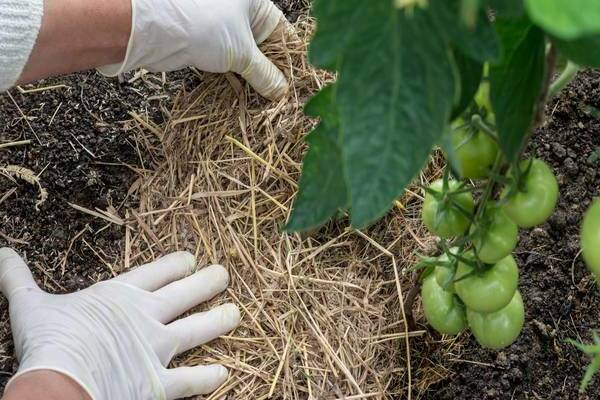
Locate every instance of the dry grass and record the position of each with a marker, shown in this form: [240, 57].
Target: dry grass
[322, 316]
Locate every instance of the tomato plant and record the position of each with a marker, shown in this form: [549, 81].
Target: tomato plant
[590, 238]
[447, 209]
[501, 328]
[426, 67]
[487, 289]
[534, 196]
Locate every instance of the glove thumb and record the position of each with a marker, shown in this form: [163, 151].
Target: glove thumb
[14, 273]
[264, 76]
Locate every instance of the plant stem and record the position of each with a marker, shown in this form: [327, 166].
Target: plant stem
[469, 10]
[483, 127]
[551, 59]
[563, 80]
[489, 188]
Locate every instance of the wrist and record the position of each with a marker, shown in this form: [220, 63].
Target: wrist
[77, 35]
[44, 384]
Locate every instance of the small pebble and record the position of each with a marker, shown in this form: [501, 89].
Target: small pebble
[559, 150]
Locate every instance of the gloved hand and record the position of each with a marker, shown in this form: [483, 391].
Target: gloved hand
[212, 35]
[114, 338]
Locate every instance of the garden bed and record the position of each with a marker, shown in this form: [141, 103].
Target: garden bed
[199, 162]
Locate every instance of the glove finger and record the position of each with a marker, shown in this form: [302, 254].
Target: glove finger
[160, 272]
[187, 293]
[201, 328]
[14, 273]
[193, 381]
[264, 18]
[264, 76]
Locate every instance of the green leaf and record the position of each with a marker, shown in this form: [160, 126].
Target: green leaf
[334, 19]
[470, 72]
[322, 105]
[516, 82]
[479, 42]
[395, 94]
[566, 19]
[322, 186]
[589, 349]
[584, 51]
[589, 373]
[506, 8]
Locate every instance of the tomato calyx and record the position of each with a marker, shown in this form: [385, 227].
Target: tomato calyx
[478, 124]
[449, 260]
[483, 223]
[517, 181]
[443, 266]
[475, 125]
[479, 268]
[447, 198]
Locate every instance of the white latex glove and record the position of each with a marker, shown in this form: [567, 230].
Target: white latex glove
[212, 35]
[114, 338]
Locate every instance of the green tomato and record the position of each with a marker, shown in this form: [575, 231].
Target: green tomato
[535, 201]
[443, 310]
[590, 238]
[443, 217]
[490, 290]
[501, 328]
[444, 275]
[474, 152]
[496, 236]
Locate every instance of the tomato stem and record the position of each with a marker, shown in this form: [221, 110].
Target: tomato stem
[489, 188]
[551, 59]
[469, 11]
[478, 122]
[567, 75]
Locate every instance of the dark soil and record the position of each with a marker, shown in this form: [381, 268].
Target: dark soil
[293, 8]
[561, 299]
[81, 152]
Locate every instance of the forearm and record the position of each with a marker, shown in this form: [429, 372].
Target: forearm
[77, 35]
[44, 384]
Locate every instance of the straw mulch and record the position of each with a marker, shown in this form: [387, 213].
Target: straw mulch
[322, 316]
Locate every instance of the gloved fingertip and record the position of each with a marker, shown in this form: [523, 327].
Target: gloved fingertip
[231, 316]
[218, 274]
[266, 78]
[189, 259]
[221, 373]
[14, 273]
[215, 375]
[186, 259]
[279, 89]
[284, 32]
[6, 252]
[265, 18]
[274, 94]
[192, 381]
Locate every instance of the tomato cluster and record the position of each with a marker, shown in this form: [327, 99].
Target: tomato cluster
[473, 284]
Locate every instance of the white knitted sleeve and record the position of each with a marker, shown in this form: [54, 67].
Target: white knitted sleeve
[20, 22]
